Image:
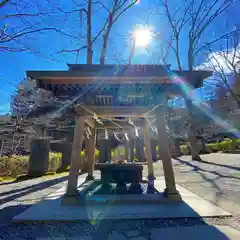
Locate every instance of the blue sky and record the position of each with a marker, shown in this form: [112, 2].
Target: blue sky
[47, 44]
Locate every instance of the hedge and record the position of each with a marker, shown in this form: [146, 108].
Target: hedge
[15, 165]
[216, 147]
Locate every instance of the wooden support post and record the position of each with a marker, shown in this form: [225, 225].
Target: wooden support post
[132, 138]
[147, 143]
[127, 146]
[132, 154]
[140, 149]
[164, 150]
[90, 151]
[154, 150]
[75, 157]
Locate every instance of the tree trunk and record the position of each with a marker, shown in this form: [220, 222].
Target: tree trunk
[192, 132]
[106, 36]
[89, 33]
[104, 48]
[203, 146]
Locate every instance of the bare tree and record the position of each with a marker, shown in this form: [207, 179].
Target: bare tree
[3, 3]
[192, 18]
[21, 21]
[25, 99]
[119, 8]
[113, 12]
[225, 64]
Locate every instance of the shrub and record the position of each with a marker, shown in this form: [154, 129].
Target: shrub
[13, 165]
[82, 154]
[18, 165]
[224, 145]
[96, 154]
[54, 161]
[185, 150]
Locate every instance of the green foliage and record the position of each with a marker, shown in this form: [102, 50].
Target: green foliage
[113, 153]
[215, 147]
[185, 150]
[54, 161]
[224, 145]
[82, 154]
[15, 165]
[96, 153]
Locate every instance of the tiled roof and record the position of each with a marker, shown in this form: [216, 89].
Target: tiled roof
[120, 70]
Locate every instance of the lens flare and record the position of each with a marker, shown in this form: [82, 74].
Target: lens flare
[187, 90]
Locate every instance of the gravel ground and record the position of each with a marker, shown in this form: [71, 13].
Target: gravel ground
[99, 230]
[217, 179]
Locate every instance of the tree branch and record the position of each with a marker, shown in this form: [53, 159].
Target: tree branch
[3, 3]
[216, 40]
[104, 6]
[22, 33]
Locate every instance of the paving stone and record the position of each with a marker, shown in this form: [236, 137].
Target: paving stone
[116, 236]
[79, 238]
[132, 233]
[139, 238]
[196, 232]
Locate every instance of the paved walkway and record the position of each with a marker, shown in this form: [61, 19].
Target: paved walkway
[217, 179]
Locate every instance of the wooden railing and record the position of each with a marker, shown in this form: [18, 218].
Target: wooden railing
[108, 100]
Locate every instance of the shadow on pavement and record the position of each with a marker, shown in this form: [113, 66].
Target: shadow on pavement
[17, 193]
[197, 169]
[221, 165]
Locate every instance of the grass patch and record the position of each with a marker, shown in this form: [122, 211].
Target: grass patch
[25, 177]
[235, 174]
[7, 179]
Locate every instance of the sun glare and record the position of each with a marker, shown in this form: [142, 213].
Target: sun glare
[142, 37]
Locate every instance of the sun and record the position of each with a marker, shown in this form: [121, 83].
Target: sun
[142, 37]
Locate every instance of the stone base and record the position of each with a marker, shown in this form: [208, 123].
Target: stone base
[71, 200]
[196, 158]
[78, 198]
[172, 196]
[151, 178]
[121, 197]
[62, 169]
[51, 209]
[89, 178]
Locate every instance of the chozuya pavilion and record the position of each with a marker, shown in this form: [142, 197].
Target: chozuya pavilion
[123, 97]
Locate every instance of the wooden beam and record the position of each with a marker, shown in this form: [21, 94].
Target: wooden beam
[90, 122]
[115, 111]
[113, 126]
